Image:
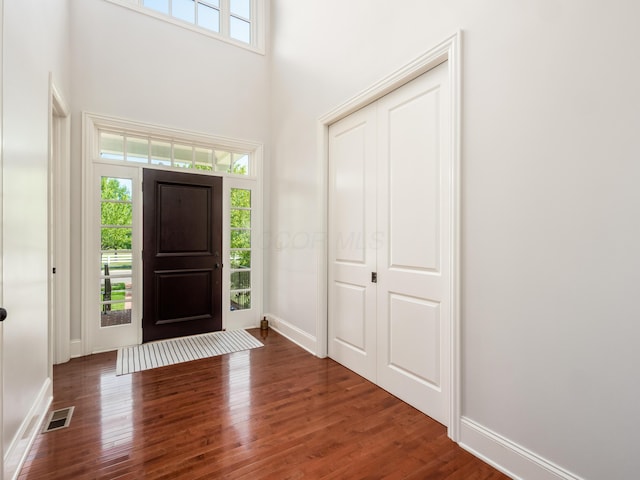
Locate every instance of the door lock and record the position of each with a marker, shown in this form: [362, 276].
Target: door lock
[374, 277]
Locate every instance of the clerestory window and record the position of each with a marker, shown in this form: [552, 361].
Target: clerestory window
[239, 21]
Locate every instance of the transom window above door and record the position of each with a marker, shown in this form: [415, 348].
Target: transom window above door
[170, 153]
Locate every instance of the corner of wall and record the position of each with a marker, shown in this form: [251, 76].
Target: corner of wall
[75, 348]
[293, 333]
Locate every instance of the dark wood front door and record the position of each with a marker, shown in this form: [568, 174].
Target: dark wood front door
[182, 254]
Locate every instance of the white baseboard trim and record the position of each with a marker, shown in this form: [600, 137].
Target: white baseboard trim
[26, 435]
[293, 333]
[75, 348]
[510, 458]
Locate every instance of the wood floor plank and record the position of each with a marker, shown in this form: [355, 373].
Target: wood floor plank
[275, 412]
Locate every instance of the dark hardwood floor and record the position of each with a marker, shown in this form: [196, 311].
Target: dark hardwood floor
[274, 412]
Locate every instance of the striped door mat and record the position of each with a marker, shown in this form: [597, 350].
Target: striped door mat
[177, 350]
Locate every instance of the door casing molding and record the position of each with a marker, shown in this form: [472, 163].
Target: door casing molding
[59, 225]
[449, 50]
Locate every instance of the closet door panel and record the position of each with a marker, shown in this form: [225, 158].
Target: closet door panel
[352, 242]
[413, 266]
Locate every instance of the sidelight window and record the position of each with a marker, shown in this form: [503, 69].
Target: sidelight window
[116, 233]
[240, 249]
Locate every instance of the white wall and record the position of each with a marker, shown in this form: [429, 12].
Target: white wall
[35, 44]
[130, 65]
[551, 204]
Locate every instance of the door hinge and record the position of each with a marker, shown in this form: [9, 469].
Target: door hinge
[374, 277]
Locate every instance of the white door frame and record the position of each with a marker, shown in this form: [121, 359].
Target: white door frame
[91, 125]
[59, 227]
[448, 50]
[1, 236]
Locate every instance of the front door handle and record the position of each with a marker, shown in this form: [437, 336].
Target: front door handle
[3, 314]
[218, 265]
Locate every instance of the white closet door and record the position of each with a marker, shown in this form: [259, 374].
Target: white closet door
[414, 212]
[390, 212]
[352, 242]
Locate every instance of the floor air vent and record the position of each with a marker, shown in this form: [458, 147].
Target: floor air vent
[58, 419]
